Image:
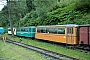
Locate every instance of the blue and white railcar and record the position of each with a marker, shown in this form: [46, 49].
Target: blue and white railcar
[9, 31]
[2, 30]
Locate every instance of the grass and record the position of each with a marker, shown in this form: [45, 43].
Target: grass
[55, 48]
[13, 52]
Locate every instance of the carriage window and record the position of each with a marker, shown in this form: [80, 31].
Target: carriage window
[47, 30]
[14, 29]
[43, 30]
[38, 30]
[18, 29]
[30, 29]
[61, 30]
[22, 29]
[50, 30]
[70, 30]
[54, 30]
[34, 30]
[26, 30]
[9, 29]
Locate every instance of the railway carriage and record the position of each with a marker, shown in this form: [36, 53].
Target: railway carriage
[68, 34]
[9, 31]
[58, 33]
[84, 35]
[26, 31]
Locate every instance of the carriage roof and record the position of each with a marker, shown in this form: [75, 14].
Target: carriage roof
[66, 25]
[69, 25]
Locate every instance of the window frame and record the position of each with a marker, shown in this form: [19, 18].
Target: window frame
[69, 31]
[61, 29]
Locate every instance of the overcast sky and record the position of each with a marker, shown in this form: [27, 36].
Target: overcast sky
[2, 3]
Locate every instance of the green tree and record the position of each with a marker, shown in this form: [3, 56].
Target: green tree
[18, 9]
[30, 5]
[42, 7]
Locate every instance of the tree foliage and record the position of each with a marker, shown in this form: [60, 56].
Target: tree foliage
[30, 5]
[47, 12]
[17, 10]
[52, 15]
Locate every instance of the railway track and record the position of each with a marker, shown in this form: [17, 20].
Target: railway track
[87, 51]
[79, 48]
[45, 53]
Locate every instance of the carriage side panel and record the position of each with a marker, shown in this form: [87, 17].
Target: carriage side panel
[83, 35]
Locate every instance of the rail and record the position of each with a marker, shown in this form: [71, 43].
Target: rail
[44, 52]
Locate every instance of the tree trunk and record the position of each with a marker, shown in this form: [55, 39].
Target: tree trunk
[11, 26]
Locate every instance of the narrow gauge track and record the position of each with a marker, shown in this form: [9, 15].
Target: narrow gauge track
[49, 54]
[84, 49]
[81, 48]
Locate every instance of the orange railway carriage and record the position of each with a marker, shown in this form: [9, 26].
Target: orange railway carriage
[58, 33]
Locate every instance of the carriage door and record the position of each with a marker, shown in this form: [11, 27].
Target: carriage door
[69, 35]
[89, 35]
